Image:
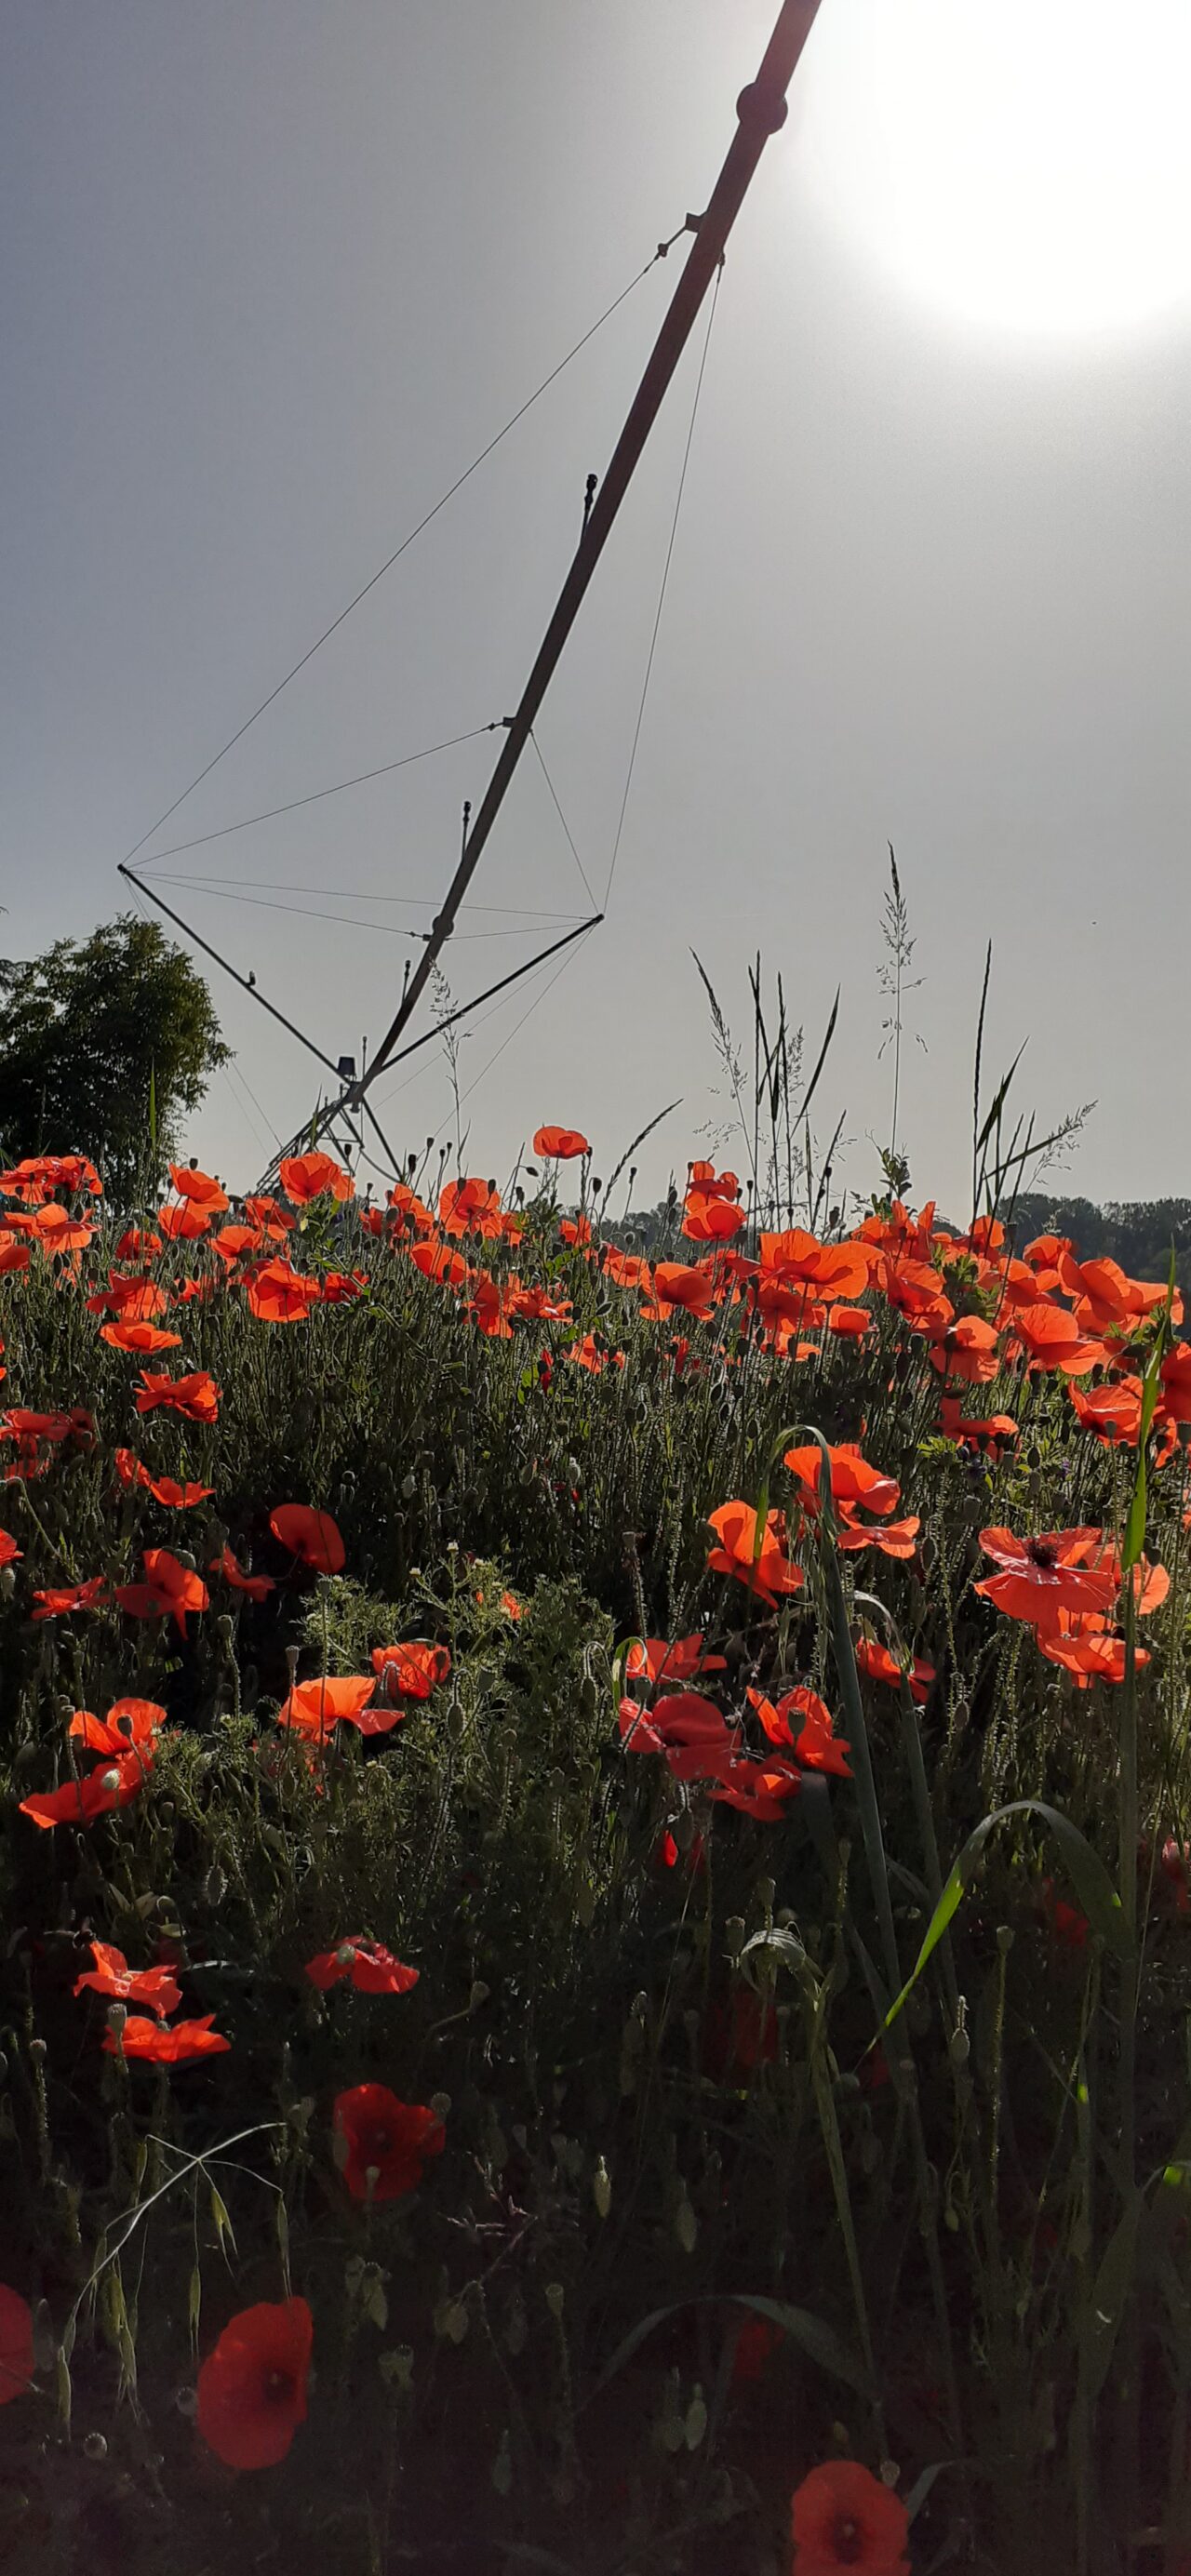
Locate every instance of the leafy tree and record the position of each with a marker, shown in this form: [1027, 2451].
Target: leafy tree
[105, 1044]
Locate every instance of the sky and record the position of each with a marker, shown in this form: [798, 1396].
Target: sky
[272, 278]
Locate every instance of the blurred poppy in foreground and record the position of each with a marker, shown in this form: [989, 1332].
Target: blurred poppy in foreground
[842, 2516]
[381, 2142]
[16, 2344]
[310, 1535]
[252, 2388]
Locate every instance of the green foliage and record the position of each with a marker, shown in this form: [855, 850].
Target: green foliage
[105, 1044]
[677, 2100]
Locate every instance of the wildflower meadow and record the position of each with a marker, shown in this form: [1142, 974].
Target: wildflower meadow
[596, 1882]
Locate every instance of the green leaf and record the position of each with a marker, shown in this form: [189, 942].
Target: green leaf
[1088, 1875]
[820, 2342]
[1106, 2305]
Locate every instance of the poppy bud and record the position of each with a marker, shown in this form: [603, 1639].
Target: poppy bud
[555, 2297]
[686, 2226]
[409, 1487]
[601, 2189]
[959, 2047]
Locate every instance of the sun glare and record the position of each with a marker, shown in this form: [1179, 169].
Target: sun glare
[1021, 163]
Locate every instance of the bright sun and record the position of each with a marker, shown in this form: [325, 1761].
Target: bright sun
[1023, 163]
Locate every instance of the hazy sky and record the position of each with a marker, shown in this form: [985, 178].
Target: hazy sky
[273, 273]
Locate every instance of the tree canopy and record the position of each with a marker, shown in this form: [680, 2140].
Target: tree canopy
[105, 1044]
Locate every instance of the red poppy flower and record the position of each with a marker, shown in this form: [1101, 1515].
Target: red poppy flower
[145, 1338]
[137, 1243]
[560, 1144]
[195, 1397]
[841, 2516]
[410, 1671]
[1113, 1413]
[766, 1573]
[677, 1663]
[588, 1354]
[711, 1220]
[131, 1725]
[381, 2142]
[56, 1232]
[180, 2045]
[409, 1209]
[9, 1551]
[761, 1790]
[740, 2035]
[880, 1666]
[170, 1590]
[1051, 1339]
[373, 1970]
[852, 1478]
[1087, 1649]
[689, 1731]
[755, 2346]
[576, 1230]
[257, 1586]
[538, 1306]
[487, 1306]
[1048, 1573]
[199, 1188]
[341, 1287]
[893, 1538]
[252, 2388]
[311, 1176]
[1175, 1374]
[992, 1431]
[310, 1535]
[470, 1207]
[966, 1348]
[279, 1294]
[679, 1286]
[184, 1224]
[13, 1256]
[72, 1596]
[269, 1213]
[314, 1707]
[237, 1242]
[135, 1301]
[852, 1323]
[802, 1721]
[178, 1497]
[155, 1988]
[627, 1270]
[437, 1261]
[16, 2345]
[79, 1802]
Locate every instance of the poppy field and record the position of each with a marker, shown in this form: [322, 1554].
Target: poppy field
[597, 1884]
